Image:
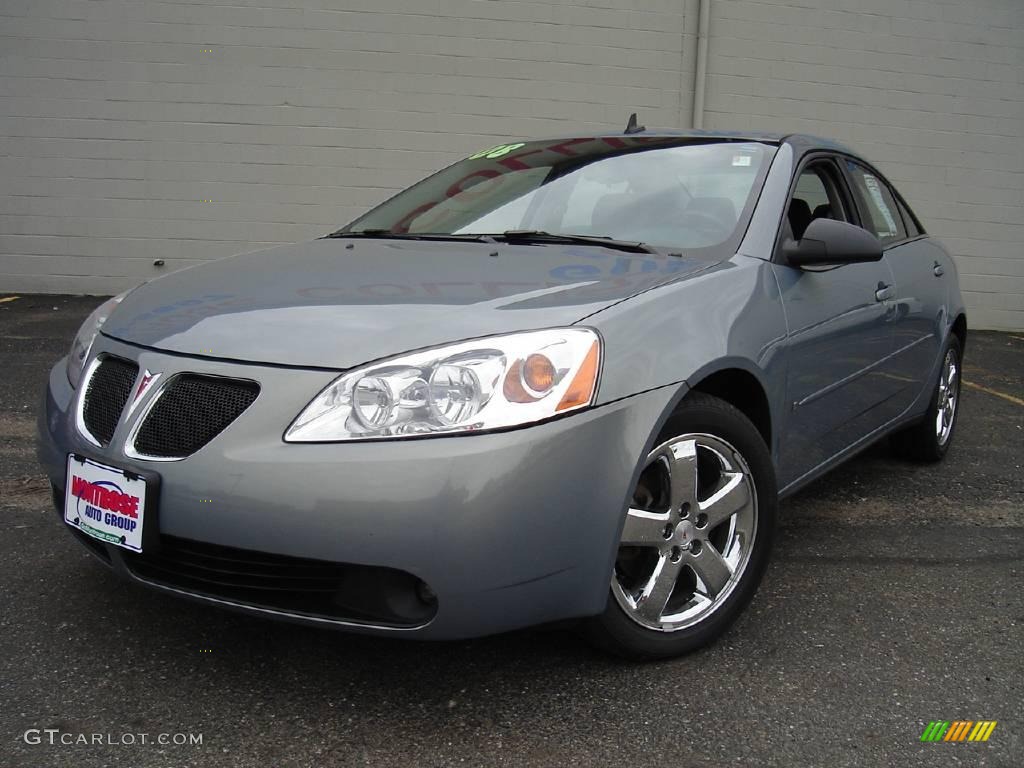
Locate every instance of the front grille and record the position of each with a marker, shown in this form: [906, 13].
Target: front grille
[190, 412]
[106, 395]
[293, 585]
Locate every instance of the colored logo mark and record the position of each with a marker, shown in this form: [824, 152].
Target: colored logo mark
[147, 380]
[958, 730]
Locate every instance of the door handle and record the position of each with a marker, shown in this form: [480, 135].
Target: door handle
[938, 270]
[884, 292]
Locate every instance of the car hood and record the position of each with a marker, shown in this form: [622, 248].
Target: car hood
[336, 303]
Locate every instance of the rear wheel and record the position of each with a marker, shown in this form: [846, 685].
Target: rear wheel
[930, 439]
[697, 535]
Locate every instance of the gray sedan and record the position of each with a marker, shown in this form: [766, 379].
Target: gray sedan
[562, 380]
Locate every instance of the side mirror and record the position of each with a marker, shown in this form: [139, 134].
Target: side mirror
[827, 241]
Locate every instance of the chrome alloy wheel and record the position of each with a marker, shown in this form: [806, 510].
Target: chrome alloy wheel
[688, 533]
[949, 396]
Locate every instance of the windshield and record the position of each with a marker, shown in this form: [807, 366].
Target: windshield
[671, 192]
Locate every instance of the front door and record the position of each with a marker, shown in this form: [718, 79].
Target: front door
[839, 334]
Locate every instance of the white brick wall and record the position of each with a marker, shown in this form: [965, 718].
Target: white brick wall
[119, 118]
[931, 91]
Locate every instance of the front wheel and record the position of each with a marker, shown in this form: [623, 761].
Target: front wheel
[696, 538]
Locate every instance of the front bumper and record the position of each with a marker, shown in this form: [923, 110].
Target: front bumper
[508, 529]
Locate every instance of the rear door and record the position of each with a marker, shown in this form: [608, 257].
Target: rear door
[920, 291]
[839, 332]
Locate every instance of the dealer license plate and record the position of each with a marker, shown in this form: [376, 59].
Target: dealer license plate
[105, 502]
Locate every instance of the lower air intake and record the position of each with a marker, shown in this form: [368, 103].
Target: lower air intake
[293, 585]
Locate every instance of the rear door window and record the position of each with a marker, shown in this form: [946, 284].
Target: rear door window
[880, 213]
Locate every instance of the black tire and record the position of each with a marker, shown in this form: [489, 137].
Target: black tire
[921, 441]
[613, 630]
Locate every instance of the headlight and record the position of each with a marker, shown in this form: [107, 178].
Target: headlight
[499, 381]
[87, 334]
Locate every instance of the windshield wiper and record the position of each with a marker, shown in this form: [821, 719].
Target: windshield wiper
[387, 234]
[509, 236]
[540, 236]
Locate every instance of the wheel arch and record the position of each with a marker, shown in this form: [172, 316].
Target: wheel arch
[959, 329]
[742, 386]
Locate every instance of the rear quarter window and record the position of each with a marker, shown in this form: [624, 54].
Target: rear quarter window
[913, 230]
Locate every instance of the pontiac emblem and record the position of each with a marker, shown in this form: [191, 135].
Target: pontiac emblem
[146, 381]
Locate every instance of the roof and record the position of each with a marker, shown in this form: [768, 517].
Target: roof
[769, 136]
[802, 142]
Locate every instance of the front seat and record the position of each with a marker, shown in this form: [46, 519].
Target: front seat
[823, 211]
[799, 217]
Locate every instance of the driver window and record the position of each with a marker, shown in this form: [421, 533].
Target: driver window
[816, 197]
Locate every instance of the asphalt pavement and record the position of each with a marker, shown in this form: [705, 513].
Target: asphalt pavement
[895, 598]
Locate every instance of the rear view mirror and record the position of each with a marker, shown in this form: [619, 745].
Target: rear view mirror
[827, 241]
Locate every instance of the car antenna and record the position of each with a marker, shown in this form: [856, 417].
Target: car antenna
[632, 127]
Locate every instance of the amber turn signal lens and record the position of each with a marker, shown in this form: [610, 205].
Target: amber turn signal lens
[513, 386]
[538, 373]
[581, 390]
[529, 380]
